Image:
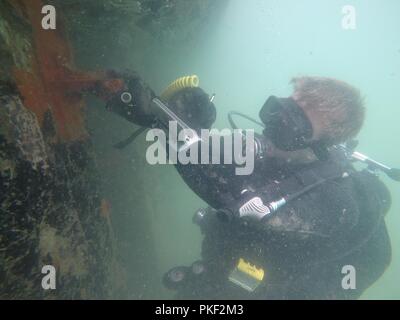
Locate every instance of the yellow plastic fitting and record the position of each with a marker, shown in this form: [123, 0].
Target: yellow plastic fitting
[178, 84]
[252, 271]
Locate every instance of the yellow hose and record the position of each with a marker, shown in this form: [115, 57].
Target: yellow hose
[178, 84]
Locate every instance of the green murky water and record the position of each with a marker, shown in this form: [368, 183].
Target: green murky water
[245, 53]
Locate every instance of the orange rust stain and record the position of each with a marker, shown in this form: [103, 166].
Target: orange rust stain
[105, 212]
[51, 83]
[105, 209]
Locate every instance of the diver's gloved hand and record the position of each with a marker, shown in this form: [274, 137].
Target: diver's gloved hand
[133, 100]
[194, 107]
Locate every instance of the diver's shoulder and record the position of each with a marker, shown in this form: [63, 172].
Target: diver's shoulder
[372, 188]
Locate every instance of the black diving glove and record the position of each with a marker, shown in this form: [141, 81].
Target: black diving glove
[133, 102]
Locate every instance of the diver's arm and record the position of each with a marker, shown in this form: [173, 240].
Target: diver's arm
[372, 193]
[328, 211]
[339, 213]
[320, 214]
[191, 109]
[136, 102]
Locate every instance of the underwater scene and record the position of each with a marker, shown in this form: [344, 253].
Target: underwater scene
[199, 149]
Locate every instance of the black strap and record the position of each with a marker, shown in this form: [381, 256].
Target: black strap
[124, 143]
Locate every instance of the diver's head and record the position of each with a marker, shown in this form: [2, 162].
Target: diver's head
[320, 113]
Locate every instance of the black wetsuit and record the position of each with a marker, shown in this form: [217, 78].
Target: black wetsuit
[303, 246]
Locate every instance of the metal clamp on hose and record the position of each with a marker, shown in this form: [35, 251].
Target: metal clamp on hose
[250, 206]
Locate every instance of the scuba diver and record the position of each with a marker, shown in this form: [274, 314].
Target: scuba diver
[292, 228]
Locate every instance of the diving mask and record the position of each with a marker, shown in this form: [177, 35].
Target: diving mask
[286, 124]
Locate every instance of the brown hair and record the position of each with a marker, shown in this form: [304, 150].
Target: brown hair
[338, 105]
